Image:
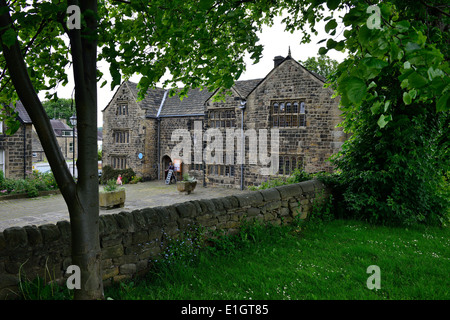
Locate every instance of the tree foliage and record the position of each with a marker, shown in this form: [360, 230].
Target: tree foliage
[394, 95]
[59, 109]
[197, 44]
[322, 65]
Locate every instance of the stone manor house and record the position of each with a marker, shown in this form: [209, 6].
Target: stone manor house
[290, 100]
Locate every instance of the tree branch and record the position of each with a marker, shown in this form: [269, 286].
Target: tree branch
[435, 8]
[22, 83]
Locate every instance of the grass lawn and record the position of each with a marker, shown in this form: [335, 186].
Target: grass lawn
[324, 261]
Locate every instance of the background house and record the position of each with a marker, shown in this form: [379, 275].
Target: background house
[64, 137]
[15, 150]
[137, 134]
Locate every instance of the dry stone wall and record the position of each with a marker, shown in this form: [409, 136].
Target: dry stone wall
[130, 241]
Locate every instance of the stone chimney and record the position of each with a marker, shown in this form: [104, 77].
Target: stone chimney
[277, 60]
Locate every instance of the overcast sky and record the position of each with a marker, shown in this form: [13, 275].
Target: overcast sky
[275, 40]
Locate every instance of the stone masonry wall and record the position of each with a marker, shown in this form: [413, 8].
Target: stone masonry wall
[14, 152]
[139, 134]
[130, 241]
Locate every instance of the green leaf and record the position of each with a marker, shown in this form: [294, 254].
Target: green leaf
[383, 121]
[331, 25]
[443, 104]
[9, 37]
[412, 47]
[376, 107]
[323, 50]
[407, 99]
[402, 26]
[374, 63]
[354, 89]
[333, 4]
[331, 44]
[415, 80]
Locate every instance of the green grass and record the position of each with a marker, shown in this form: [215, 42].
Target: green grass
[315, 260]
[327, 261]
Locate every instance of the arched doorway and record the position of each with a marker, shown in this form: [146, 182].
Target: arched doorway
[164, 165]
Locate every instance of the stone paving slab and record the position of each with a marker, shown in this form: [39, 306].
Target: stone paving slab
[51, 209]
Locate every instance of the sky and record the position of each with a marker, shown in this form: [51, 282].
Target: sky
[275, 40]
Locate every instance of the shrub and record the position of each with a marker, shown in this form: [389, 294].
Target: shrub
[110, 186]
[108, 173]
[297, 176]
[31, 185]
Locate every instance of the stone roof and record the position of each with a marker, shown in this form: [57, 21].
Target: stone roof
[59, 126]
[244, 87]
[23, 114]
[152, 99]
[193, 104]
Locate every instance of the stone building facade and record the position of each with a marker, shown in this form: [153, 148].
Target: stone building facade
[288, 116]
[65, 138]
[15, 150]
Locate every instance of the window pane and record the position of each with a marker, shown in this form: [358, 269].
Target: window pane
[294, 163]
[281, 166]
[275, 121]
[288, 121]
[295, 121]
[282, 107]
[302, 120]
[286, 165]
[302, 107]
[295, 108]
[288, 107]
[282, 124]
[275, 108]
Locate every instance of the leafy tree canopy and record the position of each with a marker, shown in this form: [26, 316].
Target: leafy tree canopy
[322, 65]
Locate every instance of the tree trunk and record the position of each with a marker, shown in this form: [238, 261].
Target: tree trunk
[86, 252]
[81, 197]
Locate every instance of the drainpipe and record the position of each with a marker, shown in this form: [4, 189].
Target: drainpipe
[158, 119]
[242, 107]
[158, 155]
[24, 151]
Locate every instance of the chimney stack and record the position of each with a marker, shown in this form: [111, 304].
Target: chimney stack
[277, 60]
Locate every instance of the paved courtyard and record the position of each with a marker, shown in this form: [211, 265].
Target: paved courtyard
[51, 209]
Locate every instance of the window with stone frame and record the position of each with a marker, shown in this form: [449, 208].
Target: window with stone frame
[122, 109]
[288, 163]
[288, 113]
[223, 118]
[121, 136]
[119, 162]
[221, 170]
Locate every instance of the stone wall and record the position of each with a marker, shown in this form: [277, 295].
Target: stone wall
[130, 241]
[17, 152]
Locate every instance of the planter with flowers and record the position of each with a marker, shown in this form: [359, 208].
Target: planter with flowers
[187, 185]
[112, 196]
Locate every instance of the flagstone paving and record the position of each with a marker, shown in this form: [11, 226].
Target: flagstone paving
[51, 209]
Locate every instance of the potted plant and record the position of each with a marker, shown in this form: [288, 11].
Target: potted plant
[112, 196]
[187, 185]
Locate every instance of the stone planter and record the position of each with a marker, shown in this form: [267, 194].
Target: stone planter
[112, 199]
[186, 186]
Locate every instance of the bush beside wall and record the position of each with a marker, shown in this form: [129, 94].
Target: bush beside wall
[131, 240]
